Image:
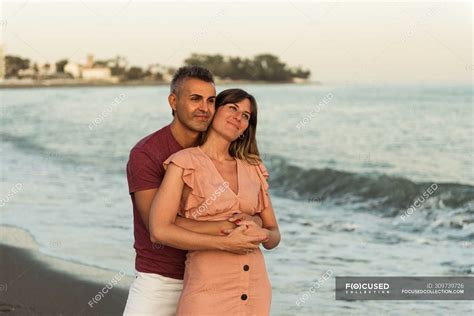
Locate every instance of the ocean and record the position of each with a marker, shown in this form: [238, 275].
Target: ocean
[365, 181]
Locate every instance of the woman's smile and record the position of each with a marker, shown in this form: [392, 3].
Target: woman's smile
[234, 125]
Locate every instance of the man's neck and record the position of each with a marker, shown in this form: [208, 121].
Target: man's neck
[184, 136]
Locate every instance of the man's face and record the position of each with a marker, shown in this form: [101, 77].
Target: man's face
[194, 104]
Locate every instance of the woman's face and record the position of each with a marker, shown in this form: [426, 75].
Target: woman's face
[232, 119]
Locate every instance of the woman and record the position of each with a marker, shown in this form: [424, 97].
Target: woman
[221, 177]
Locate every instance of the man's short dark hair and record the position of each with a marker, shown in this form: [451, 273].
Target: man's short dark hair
[190, 72]
[186, 72]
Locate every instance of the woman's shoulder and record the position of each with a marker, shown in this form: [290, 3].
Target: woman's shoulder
[184, 157]
[187, 152]
[256, 165]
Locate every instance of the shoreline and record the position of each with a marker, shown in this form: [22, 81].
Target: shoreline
[79, 84]
[34, 283]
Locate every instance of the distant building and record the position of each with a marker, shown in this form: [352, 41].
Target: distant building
[90, 61]
[96, 74]
[92, 72]
[164, 71]
[27, 73]
[89, 71]
[167, 77]
[73, 69]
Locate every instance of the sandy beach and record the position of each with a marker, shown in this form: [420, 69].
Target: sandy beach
[32, 283]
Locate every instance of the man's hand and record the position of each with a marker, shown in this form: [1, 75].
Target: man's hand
[227, 227]
[240, 243]
[240, 217]
[252, 229]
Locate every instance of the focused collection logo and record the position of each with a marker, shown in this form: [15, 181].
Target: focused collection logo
[351, 288]
[367, 288]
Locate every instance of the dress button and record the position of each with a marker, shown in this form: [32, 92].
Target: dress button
[246, 267]
[243, 297]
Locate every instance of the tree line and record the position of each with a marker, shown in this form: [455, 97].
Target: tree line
[263, 67]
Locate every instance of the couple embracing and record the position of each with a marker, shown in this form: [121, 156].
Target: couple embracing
[201, 206]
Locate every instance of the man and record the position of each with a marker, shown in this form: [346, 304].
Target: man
[160, 269]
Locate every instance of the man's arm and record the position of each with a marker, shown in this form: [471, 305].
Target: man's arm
[216, 228]
[223, 227]
[240, 217]
[143, 200]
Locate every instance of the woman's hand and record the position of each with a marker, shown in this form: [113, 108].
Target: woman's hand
[271, 235]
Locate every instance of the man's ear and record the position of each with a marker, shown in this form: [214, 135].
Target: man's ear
[172, 101]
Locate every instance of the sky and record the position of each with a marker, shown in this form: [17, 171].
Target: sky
[353, 41]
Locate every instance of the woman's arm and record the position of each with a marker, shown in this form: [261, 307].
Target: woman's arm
[163, 228]
[269, 228]
[143, 200]
[270, 223]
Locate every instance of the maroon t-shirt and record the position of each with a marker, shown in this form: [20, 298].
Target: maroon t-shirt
[145, 171]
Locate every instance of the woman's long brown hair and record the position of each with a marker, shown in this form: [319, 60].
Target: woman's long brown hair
[244, 148]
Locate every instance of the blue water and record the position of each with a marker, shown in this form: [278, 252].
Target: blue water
[345, 163]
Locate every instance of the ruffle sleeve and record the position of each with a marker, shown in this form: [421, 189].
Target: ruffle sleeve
[196, 196]
[263, 196]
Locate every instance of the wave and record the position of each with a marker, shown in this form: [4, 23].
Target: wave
[375, 191]
[79, 161]
[24, 143]
[380, 192]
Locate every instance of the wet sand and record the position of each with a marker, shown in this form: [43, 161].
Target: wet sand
[29, 286]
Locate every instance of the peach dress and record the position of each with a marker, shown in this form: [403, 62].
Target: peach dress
[220, 282]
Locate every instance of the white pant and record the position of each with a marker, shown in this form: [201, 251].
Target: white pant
[153, 294]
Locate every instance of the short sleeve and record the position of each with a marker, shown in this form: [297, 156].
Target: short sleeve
[185, 161]
[142, 172]
[263, 195]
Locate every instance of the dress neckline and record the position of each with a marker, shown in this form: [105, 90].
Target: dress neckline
[220, 175]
